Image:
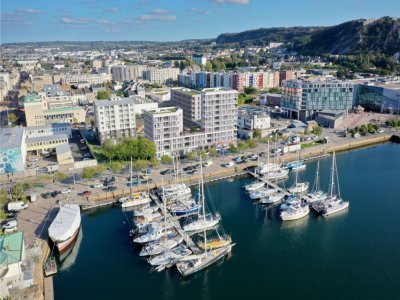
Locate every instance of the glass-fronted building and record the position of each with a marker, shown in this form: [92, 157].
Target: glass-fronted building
[378, 98]
[302, 99]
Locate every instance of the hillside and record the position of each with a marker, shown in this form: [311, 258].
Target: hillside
[353, 37]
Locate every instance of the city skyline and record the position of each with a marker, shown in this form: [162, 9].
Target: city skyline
[88, 20]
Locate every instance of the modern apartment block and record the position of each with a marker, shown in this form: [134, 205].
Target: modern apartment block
[286, 75]
[190, 101]
[167, 127]
[115, 119]
[127, 72]
[231, 80]
[383, 97]
[161, 75]
[302, 99]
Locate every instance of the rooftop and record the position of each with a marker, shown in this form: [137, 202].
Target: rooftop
[163, 110]
[32, 98]
[63, 148]
[11, 246]
[47, 138]
[62, 109]
[122, 101]
[48, 126]
[11, 137]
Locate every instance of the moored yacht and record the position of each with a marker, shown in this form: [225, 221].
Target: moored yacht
[64, 229]
[170, 257]
[294, 212]
[272, 198]
[262, 193]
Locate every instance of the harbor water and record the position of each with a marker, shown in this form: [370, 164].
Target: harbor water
[352, 255]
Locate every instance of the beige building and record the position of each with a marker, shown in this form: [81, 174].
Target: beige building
[127, 72]
[38, 113]
[45, 142]
[161, 75]
[190, 101]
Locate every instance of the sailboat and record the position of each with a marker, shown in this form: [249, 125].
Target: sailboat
[258, 184]
[334, 202]
[272, 198]
[170, 257]
[193, 263]
[316, 193]
[268, 167]
[204, 221]
[298, 187]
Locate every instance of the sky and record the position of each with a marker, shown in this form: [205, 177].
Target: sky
[172, 20]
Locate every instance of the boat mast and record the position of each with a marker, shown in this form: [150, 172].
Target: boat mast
[165, 207]
[316, 185]
[131, 172]
[332, 175]
[202, 202]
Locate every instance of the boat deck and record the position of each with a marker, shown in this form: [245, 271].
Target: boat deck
[188, 240]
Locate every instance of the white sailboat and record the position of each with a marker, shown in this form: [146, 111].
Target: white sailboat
[204, 221]
[262, 193]
[267, 167]
[334, 203]
[298, 187]
[170, 257]
[136, 199]
[272, 198]
[316, 193]
[193, 263]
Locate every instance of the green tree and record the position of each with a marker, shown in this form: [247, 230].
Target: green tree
[154, 161]
[191, 155]
[166, 159]
[88, 173]
[208, 67]
[3, 197]
[275, 90]
[370, 128]
[318, 130]
[250, 90]
[203, 154]
[251, 143]
[233, 148]
[213, 152]
[61, 176]
[12, 118]
[140, 164]
[257, 133]
[103, 94]
[100, 169]
[18, 193]
[362, 130]
[116, 166]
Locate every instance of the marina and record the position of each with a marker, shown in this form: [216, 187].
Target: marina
[264, 241]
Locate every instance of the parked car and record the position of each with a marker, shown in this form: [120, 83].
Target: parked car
[55, 193]
[110, 188]
[33, 165]
[87, 193]
[208, 163]
[66, 191]
[261, 154]
[82, 141]
[189, 168]
[10, 224]
[97, 185]
[229, 164]
[167, 171]
[46, 195]
[149, 180]
[380, 131]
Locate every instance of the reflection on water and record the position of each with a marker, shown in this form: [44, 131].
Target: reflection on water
[295, 224]
[67, 259]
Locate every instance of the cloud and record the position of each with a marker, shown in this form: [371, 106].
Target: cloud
[231, 1]
[198, 11]
[113, 9]
[158, 14]
[30, 11]
[75, 20]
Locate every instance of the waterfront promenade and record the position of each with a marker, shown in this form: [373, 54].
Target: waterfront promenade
[35, 220]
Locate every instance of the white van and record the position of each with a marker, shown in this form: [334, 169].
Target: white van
[16, 206]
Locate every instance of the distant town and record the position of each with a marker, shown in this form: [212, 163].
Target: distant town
[88, 125]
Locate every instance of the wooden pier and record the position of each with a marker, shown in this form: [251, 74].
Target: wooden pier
[188, 240]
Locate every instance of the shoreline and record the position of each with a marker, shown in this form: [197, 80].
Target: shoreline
[110, 198]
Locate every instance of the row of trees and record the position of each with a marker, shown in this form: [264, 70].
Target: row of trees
[363, 129]
[140, 148]
[393, 123]
[243, 146]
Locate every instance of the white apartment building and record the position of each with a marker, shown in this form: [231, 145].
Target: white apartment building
[190, 101]
[89, 78]
[199, 59]
[161, 75]
[5, 84]
[127, 72]
[217, 126]
[115, 119]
